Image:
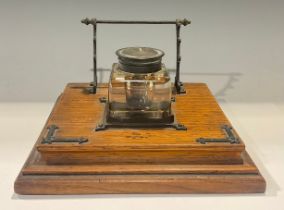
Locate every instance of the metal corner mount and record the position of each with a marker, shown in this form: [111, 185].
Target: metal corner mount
[104, 124]
[51, 138]
[230, 137]
[178, 23]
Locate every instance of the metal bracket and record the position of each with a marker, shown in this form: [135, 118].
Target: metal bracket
[103, 100]
[230, 137]
[105, 125]
[178, 23]
[51, 138]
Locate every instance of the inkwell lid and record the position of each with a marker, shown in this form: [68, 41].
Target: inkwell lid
[140, 59]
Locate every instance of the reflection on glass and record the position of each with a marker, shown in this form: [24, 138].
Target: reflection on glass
[139, 97]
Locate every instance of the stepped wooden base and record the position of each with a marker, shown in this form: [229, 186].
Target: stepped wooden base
[56, 180]
[142, 160]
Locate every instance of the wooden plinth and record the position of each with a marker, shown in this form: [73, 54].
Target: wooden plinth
[144, 160]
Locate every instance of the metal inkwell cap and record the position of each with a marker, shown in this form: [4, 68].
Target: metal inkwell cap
[140, 59]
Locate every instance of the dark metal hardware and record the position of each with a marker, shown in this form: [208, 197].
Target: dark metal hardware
[103, 99]
[179, 127]
[93, 21]
[179, 22]
[51, 138]
[230, 137]
[105, 124]
[101, 127]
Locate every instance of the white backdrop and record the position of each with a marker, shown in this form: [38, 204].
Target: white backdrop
[236, 47]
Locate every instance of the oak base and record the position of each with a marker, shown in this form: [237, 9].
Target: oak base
[138, 160]
[187, 179]
[139, 184]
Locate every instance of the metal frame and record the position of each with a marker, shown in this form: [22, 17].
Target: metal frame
[104, 124]
[178, 23]
[51, 138]
[230, 137]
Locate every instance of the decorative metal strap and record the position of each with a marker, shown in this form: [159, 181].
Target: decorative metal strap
[51, 138]
[178, 23]
[103, 125]
[230, 137]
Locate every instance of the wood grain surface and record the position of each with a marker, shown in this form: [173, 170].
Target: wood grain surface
[77, 113]
[138, 160]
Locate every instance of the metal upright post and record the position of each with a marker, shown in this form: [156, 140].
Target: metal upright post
[178, 57]
[94, 89]
[178, 83]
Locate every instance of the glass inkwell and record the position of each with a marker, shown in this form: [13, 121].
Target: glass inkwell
[139, 87]
[139, 91]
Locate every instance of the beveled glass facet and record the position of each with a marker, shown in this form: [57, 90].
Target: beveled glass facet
[139, 97]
